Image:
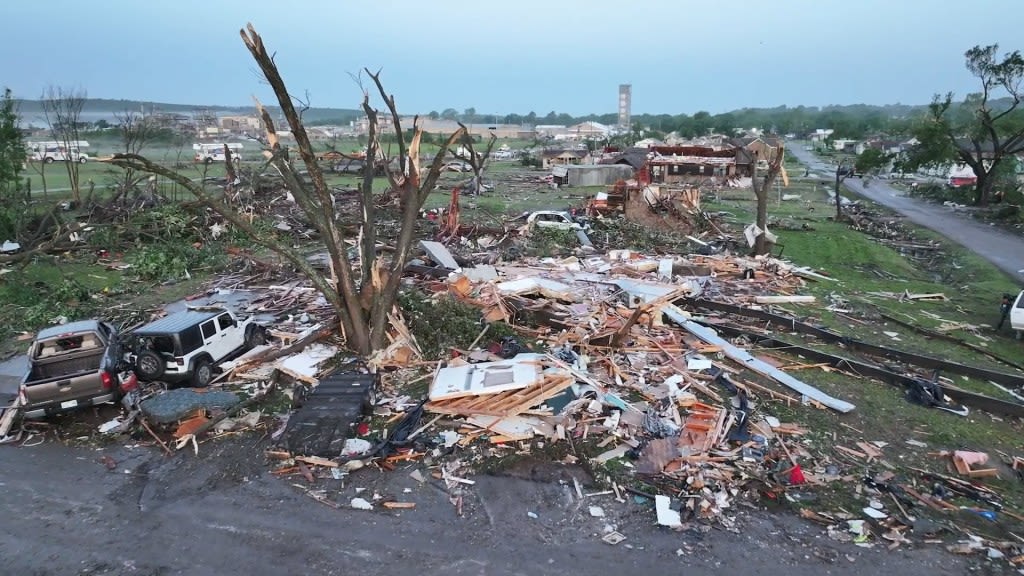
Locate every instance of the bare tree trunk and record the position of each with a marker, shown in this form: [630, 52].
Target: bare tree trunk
[362, 299]
[983, 186]
[135, 132]
[62, 109]
[761, 193]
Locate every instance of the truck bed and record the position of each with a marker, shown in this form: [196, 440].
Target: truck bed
[45, 371]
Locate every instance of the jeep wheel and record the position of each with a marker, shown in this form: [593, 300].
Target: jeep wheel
[149, 365]
[255, 336]
[202, 373]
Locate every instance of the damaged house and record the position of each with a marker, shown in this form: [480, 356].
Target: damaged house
[550, 158]
[695, 165]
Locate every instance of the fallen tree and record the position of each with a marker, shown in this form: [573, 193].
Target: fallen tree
[362, 292]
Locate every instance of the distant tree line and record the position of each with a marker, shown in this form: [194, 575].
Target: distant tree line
[853, 121]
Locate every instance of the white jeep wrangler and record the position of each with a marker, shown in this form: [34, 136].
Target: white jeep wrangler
[187, 346]
[1017, 314]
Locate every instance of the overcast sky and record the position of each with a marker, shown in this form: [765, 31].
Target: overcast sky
[681, 56]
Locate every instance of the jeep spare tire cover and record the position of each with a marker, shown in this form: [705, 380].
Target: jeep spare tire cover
[149, 365]
[255, 336]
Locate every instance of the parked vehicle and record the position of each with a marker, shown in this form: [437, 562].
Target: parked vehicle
[1017, 315]
[73, 365]
[50, 152]
[187, 346]
[214, 152]
[557, 219]
[457, 167]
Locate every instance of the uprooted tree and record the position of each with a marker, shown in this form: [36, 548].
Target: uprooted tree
[984, 131]
[761, 188]
[361, 291]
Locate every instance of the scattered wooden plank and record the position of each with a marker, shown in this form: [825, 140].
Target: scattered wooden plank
[317, 461]
[851, 452]
[9, 414]
[871, 450]
[509, 403]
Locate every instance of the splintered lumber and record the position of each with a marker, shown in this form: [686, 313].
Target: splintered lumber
[508, 403]
[784, 299]
[744, 358]
[317, 461]
[7, 420]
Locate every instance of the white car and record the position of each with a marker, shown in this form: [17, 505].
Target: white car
[457, 167]
[1017, 314]
[557, 219]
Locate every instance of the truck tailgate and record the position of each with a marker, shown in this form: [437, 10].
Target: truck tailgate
[64, 391]
[65, 380]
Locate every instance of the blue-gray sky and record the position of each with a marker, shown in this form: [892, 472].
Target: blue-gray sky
[500, 57]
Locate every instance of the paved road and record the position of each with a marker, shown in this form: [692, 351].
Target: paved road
[1004, 249]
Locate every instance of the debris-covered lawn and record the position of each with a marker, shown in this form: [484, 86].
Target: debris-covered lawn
[689, 386]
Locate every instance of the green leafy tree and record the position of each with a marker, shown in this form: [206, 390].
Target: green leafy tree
[12, 146]
[983, 132]
[434, 115]
[450, 114]
[469, 115]
[871, 160]
[724, 123]
[702, 123]
[12, 161]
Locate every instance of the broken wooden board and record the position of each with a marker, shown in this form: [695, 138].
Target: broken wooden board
[9, 414]
[784, 299]
[509, 403]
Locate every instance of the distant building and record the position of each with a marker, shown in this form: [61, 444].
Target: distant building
[239, 124]
[551, 130]
[550, 158]
[588, 131]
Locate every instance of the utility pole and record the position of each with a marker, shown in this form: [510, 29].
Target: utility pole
[839, 205]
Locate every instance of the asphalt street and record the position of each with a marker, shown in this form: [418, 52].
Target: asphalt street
[1001, 248]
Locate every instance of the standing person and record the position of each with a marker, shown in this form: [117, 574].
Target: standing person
[1004, 310]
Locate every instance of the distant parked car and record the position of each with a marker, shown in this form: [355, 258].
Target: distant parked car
[457, 167]
[555, 219]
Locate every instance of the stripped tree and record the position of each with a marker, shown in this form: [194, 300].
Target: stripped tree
[62, 109]
[761, 188]
[450, 226]
[135, 131]
[362, 293]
